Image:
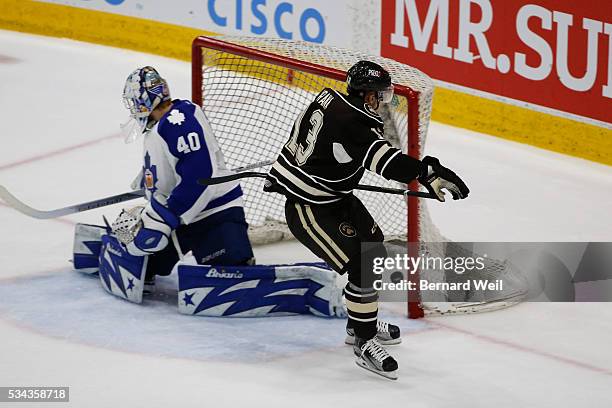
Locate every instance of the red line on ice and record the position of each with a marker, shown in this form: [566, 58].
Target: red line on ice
[525, 349]
[60, 220]
[58, 152]
[7, 59]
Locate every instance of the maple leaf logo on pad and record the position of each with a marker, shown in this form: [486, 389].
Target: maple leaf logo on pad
[176, 117]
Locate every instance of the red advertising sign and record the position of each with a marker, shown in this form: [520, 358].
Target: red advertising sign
[552, 53]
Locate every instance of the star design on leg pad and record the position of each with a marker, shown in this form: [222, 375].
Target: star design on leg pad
[187, 299]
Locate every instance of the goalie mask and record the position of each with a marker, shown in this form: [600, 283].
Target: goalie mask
[144, 90]
[367, 76]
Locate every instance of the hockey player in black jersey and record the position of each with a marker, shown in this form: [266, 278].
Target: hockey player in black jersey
[333, 142]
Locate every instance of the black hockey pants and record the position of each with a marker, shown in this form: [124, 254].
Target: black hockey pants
[335, 232]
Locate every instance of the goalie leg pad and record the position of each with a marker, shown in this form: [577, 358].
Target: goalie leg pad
[260, 290]
[86, 248]
[121, 274]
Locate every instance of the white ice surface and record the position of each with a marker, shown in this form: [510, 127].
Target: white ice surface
[60, 104]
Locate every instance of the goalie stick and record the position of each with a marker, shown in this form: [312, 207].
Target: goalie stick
[23, 208]
[255, 174]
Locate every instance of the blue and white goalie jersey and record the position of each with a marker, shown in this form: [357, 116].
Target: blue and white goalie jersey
[178, 150]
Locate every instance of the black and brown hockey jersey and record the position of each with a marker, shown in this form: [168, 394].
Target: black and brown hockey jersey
[332, 143]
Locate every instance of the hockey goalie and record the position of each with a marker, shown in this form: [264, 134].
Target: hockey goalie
[181, 216]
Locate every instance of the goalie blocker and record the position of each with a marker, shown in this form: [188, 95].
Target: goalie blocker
[205, 290]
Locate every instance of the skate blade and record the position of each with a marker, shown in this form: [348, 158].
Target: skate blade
[351, 340]
[391, 375]
[391, 342]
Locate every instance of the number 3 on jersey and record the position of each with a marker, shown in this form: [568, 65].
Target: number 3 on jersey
[302, 149]
[190, 145]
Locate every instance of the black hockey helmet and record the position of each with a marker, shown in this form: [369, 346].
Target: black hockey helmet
[367, 76]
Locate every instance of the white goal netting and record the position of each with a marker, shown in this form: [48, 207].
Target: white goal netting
[252, 89]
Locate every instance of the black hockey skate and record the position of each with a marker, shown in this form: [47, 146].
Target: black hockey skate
[149, 286]
[372, 356]
[387, 334]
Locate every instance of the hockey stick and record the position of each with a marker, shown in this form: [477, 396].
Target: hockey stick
[252, 166]
[23, 208]
[256, 174]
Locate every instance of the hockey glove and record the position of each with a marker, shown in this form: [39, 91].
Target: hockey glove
[437, 177]
[150, 232]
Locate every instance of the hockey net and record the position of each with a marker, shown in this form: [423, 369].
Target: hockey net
[252, 89]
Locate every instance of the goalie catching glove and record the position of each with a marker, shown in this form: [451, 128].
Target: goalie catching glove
[145, 230]
[438, 178]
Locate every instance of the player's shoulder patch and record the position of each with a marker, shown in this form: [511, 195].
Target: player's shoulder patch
[181, 114]
[181, 111]
[176, 117]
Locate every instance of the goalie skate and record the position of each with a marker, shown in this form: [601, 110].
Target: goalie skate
[387, 334]
[149, 286]
[372, 356]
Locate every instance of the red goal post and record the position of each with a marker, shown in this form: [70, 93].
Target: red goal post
[252, 89]
[301, 65]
